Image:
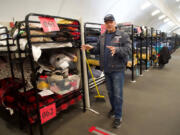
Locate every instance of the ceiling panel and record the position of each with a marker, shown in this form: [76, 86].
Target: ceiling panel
[91, 10]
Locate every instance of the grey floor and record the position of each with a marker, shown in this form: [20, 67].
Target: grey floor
[151, 107]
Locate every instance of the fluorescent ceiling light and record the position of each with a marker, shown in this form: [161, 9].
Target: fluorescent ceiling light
[166, 20]
[161, 17]
[155, 12]
[177, 0]
[146, 5]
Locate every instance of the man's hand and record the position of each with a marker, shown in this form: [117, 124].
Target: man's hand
[113, 49]
[86, 47]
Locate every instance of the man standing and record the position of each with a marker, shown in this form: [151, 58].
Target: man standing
[114, 48]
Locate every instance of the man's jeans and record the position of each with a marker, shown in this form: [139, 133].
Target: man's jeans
[115, 83]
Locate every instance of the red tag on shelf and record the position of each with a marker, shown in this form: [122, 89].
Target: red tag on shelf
[139, 30]
[48, 24]
[103, 28]
[47, 113]
[11, 24]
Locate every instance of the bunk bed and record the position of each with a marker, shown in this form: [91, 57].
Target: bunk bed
[53, 52]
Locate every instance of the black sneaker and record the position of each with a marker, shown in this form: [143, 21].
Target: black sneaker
[117, 123]
[111, 114]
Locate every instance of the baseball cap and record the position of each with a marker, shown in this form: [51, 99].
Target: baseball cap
[109, 17]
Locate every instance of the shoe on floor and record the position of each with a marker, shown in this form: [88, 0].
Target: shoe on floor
[117, 123]
[111, 114]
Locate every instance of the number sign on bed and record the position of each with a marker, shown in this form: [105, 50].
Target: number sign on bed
[47, 113]
[48, 24]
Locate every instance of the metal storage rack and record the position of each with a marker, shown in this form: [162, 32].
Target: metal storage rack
[88, 29]
[136, 44]
[6, 49]
[61, 101]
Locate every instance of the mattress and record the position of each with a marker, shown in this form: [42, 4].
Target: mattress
[4, 48]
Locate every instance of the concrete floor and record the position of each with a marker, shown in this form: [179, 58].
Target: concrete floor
[151, 107]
